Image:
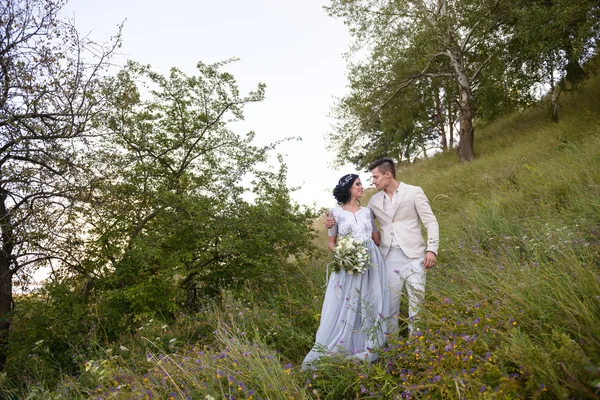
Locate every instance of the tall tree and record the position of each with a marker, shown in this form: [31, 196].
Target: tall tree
[434, 40]
[410, 123]
[552, 40]
[49, 92]
[167, 219]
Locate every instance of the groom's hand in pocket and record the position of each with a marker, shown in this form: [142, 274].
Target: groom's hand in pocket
[430, 260]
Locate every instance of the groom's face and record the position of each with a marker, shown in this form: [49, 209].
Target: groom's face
[379, 180]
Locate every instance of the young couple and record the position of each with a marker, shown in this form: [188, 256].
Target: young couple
[360, 309]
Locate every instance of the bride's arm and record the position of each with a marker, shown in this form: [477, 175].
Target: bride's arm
[332, 231]
[332, 242]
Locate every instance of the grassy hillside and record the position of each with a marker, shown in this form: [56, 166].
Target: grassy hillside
[519, 261]
[512, 310]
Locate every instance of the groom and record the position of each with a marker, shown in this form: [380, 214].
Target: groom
[400, 208]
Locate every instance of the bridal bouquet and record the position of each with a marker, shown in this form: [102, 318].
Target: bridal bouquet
[351, 255]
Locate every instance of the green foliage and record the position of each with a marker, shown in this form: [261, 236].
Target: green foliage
[511, 310]
[556, 35]
[427, 62]
[50, 92]
[168, 217]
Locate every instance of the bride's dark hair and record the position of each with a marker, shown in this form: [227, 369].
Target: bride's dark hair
[341, 192]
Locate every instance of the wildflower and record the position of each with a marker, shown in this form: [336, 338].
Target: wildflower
[476, 321]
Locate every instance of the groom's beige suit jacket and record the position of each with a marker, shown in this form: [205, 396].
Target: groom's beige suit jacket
[404, 225]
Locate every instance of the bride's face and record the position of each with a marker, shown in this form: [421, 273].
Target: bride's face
[356, 191]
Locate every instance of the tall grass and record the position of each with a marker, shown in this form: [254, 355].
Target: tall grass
[512, 310]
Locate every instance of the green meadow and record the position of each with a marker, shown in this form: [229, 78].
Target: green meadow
[512, 309]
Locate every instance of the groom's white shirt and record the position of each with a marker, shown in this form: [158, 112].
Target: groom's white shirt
[402, 226]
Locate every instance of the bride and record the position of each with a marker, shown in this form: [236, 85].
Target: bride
[353, 320]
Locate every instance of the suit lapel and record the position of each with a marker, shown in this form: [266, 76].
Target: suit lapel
[377, 201]
[402, 189]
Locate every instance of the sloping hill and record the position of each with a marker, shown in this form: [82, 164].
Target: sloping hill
[511, 311]
[519, 257]
[515, 300]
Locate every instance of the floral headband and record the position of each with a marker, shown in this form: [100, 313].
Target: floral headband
[347, 180]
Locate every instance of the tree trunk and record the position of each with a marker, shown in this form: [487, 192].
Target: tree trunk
[440, 120]
[5, 276]
[5, 306]
[553, 90]
[450, 121]
[466, 151]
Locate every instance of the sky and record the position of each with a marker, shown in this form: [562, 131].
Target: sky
[293, 47]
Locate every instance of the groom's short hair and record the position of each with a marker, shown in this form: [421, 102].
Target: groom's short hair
[384, 165]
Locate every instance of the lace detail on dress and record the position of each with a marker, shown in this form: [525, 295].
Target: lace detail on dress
[359, 225]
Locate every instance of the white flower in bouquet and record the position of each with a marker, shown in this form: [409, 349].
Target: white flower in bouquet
[351, 255]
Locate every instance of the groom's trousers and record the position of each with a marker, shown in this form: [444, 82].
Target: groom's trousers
[402, 270]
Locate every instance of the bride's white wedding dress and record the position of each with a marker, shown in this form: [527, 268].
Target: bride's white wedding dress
[353, 320]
